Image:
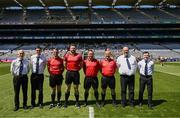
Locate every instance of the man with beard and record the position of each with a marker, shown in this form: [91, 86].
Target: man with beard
[73, 63]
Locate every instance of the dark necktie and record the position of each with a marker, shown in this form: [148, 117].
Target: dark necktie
[128, 63]
[37, 65]
[21, 67]
[146, 68]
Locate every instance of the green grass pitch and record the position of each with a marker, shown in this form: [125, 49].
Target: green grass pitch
[166, 97]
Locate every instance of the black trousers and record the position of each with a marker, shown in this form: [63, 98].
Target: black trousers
[146, 80]
[37, 81]
[127, 81]
[19, 81]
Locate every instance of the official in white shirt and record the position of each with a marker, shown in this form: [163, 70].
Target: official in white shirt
[127, 68]
[146, 68]
[19, 69]
[38, 64]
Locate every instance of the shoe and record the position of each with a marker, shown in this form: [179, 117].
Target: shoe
[16, 108]
[102, 104]
[59, 105]
[77, 105]
[40, 106]
[98, 105]
[140, 104]
[32, 107]
[85, 104]
[51, 106]
[114, 103]
[150, 107]
[123, 105]
[132, 105]
[25, 107]
[65, 105]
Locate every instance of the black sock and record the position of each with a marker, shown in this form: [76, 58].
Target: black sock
[86, 94]
[77, 97]
[103, 97]
[113, 97]
[58, 96]
[53, 98]
[96, 94]
[67, 94]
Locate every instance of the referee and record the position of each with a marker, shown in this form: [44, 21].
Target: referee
[55, 69]
[38, 64]
[19, 70]
[73, 63]
[146, 68]
[91, 67]
[108, 69]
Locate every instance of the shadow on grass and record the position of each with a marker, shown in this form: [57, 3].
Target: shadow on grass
[93, 102]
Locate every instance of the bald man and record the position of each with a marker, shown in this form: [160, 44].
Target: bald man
[108, 69]
[19, 70]
[127, 68]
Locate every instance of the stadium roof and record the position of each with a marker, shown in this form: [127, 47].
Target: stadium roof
[47, 3]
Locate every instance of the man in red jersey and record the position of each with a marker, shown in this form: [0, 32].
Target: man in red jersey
[108, 69]
[55, 68]
[73, 63]
[91, 67]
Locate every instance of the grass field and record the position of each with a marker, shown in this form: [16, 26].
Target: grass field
[166, 97]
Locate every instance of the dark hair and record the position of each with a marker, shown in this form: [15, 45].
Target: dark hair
[38, 47]
[145, 52]
[56, 49]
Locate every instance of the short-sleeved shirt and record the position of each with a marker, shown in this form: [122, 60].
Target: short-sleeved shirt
[55, 66]
[42, 63]
[123, 67]
[108, 67]
[150, 67]
[91, 67]
[73, 62]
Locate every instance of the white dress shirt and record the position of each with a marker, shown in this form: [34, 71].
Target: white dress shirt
[15, 67]
[123, 67]
[150, 67]
[42, 63]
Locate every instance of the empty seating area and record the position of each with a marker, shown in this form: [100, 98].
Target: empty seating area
[90, 16]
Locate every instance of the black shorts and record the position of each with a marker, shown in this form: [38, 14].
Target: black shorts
[55, 80]
[91, 81]
[72, 76]
[108, 81]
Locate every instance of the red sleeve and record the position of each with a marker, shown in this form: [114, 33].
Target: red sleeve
[65, 57]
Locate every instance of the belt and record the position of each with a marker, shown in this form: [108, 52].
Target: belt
[20, 75]
[147, 76]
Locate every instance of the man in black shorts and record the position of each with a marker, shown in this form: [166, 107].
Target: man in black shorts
[55, 68]
[108, 69]
[73, 63]
[91, 67]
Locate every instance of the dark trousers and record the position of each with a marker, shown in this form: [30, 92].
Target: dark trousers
[37, 84]
[146, 80]
[127, 81]
[17, 82]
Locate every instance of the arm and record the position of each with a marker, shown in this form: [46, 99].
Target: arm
[12, 68]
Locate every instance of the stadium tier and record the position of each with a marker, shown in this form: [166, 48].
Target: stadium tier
[90, 16]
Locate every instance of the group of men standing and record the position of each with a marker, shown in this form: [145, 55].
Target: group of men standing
[73, 62]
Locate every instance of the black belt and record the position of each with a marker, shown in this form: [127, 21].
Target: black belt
[36, 74]
[21, 75]
[147, 76]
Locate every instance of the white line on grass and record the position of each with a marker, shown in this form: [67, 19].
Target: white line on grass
[91, 112]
